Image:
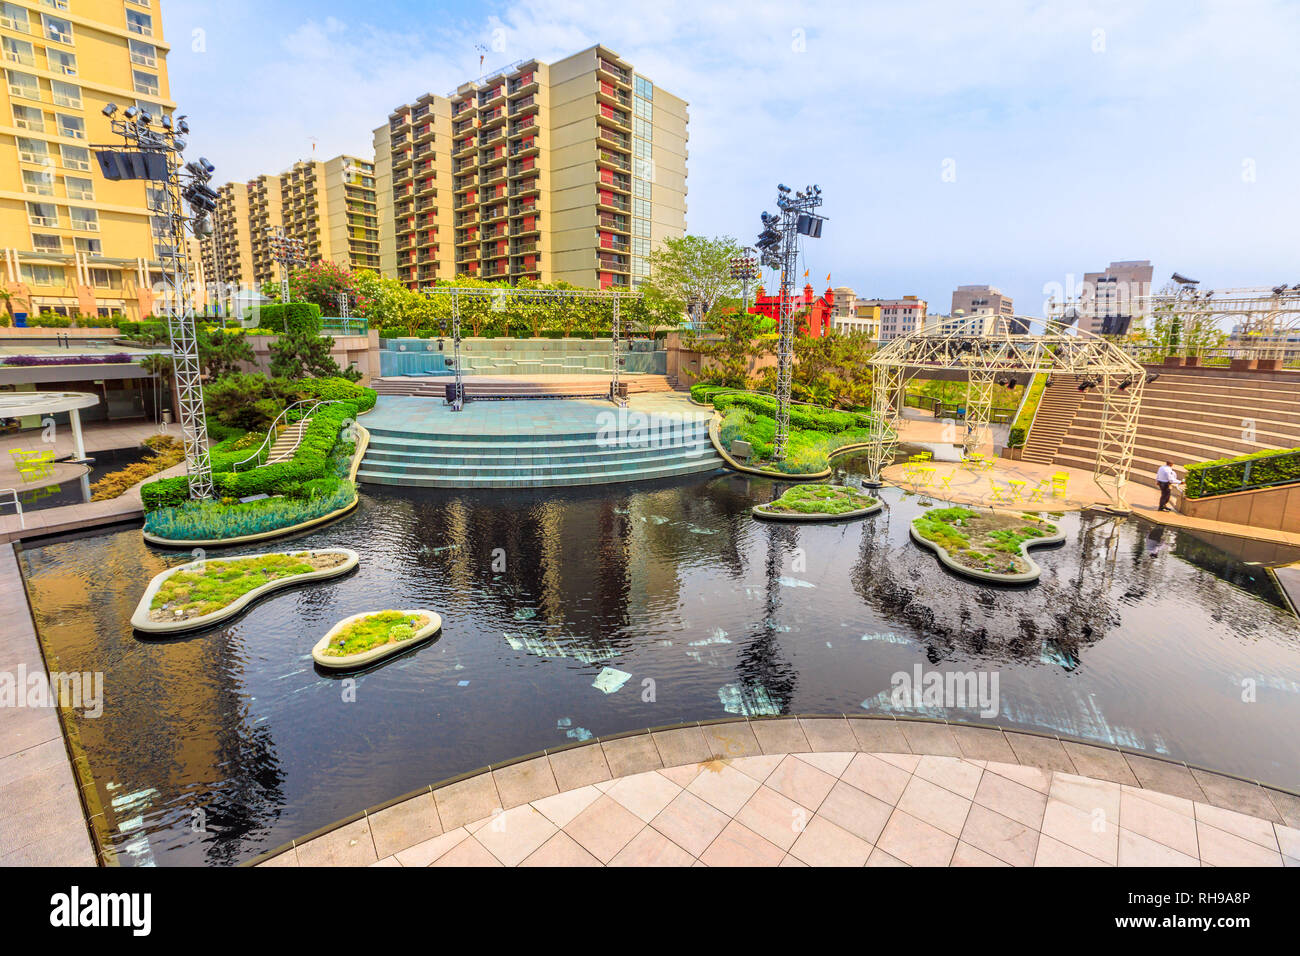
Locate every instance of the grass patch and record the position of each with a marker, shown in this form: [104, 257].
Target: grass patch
[221, 520]
[375, 630]
[817, 499]
[220, 583]
[983, 540]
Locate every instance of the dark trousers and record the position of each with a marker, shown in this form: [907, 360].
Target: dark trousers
[1164, 493]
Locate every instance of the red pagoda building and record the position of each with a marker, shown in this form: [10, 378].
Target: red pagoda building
[817, 310]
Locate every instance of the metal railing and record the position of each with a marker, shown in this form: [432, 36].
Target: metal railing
[1208, 479]
[273, 435]
[353, 325]
[18, 506]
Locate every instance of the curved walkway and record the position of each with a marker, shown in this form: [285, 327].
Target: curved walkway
[824, 791]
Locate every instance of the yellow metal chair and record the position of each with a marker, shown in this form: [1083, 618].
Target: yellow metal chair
[1037, 492]
[1016, 485]
[926, 476]
[1060, 484]
[999, 493]
[947, 482]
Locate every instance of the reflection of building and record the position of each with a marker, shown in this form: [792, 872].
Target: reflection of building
[573, 171]
[815, 310]
[72, 241]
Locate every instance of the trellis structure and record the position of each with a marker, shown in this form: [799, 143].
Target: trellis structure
[998, 350]
[1268, 316]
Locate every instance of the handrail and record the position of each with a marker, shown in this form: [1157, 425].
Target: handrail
[17, 506]
[1282, 468]
[272, 435]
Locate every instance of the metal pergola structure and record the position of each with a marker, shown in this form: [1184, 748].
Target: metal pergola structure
[994, 351]
[539, 297]
[1268, 315]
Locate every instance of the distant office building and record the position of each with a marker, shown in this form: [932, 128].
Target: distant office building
[864, 320]
[1110, 300]
[845, 301]
[970, 299]
[898, 316]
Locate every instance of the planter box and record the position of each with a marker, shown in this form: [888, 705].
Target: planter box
[1192, 361]
[1269, 365]
[375, 653]
[1244, 365]
[1173, 361]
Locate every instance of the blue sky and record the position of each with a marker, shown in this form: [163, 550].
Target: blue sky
[1015, 143]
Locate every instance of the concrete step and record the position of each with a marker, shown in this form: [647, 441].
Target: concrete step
[594, 476]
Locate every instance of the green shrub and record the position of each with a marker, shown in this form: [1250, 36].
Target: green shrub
[165, 492]
[210, 520]
[1256, 470]
[294, 317]
[338, 388]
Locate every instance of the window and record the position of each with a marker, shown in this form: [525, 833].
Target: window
[78, 188]
[75, 157]
[14, 17]
[43, 214]
[140, 23]
[643, 87]
[106, 278]
[38, 183]
[641, 227]
[42, 275]
[641, 184]
[65, 94]
[24, 85]
[145, 82]
[33, 150]
[19, 51]
[56, 4]
[61, 62]
[84, 220]
[642, 108]
[641, 208]
[44, 243]
[641, 128]
[73, 127]
[26, 117]
[91, 247]
[143, 53]
[58, 30]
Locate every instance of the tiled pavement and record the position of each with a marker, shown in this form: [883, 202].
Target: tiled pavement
[826, 792]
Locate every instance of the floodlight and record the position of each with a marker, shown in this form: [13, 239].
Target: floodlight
[132, 112]
[166, 121]
[146, 117]
[109, 109]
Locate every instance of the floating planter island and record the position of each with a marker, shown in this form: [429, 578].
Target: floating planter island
[819, 502]
[373, 635]
[986, 545]
[205, 592]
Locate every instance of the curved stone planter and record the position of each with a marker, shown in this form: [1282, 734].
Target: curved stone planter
[375, 653]
[715, 424]
[140, 619]
[363, 442]
[1022, 577]
[760, 511]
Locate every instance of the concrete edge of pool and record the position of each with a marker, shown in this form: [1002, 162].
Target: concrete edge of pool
[470, 799]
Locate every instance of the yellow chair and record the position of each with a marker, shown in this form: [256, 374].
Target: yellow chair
[1060, 484]
[947, 482]
[1036, 494]
[999, 494]
[1016, 485]
[926, 476]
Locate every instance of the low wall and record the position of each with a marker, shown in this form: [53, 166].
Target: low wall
[1275, 508]
[359, 350]
[508, 356]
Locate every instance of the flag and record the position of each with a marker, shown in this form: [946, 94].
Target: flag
[805, 273]
[828, 278]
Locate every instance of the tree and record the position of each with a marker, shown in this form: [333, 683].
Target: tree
[221, 352]
[732, 340]
[304, 355]
[690, 273]
[321, 283]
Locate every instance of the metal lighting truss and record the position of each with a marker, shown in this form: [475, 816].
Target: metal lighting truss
[744, 267]
[1269, 315]
[1117, 378]
[286, 251]
[152, 150]
[538, 296]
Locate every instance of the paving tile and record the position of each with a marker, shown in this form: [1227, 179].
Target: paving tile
[423, 854]
[1101, 763]
[737, 845]
[774, 816]
[652, 848]
[604, 828]
[967, 855]
[726, 788]
[1094, 834]
[1031, 777]
[960, 776]
[524, 782]
[288, 858]
[560, 850]
[936, 806]
[982, 743]
[682, 746]
[915, 842]
[691, 823]
[387, 861]
[1045, 753]
[1238, 824]
[405, 824]
[879, 735]
[880, 858]
[833, 762]
[1288, 839]
[732, 739]
[872, 774]
[1220, 848]
[822, 843]
[683, 775]
[467, 800]
[1003, 795]
[628, 755]
[801, 782]
[1238, 795]
[789, 860]
[780, 736]
[468, 852]
[1287, 806]
[908, 762]
[1165, 777]
[928, 738]
[645, 794]
[513, 835]
[1087, 794]
[829, 734]
[760, 768]
[1052, 852]
[859, 813]
[563, 807]
[1009, 840]
[1137, 850]
[349, 845]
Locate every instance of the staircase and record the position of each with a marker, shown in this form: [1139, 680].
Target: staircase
[1056, 410]
[517, 387]
[533, 460]
[1192, 417]
[286, 443]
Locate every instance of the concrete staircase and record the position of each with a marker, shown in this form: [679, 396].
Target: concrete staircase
[1056, 411]
[538, 460]
[1191, 417]
[485, 388]
[286, 443]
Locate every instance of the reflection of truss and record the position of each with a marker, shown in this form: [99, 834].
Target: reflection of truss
[1117, 378]
[1266, 315]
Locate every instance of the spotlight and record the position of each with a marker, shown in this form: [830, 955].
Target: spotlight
[203, 161]
[132, 112]
[109, 110]
[1152, 377]
[182, 126]
[146, 117]
[166, 122]
[1125, 384]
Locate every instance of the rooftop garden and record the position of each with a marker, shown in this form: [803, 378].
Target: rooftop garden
[989, 543]
[818, 500]
[217, 584]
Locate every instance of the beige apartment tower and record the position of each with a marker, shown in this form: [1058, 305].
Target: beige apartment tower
[71, 241]
[571, 171]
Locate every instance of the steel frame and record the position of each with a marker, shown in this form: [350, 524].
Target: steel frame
[1272, 314]
[1059, 348]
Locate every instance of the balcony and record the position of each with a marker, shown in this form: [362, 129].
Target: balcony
[607, 93]
[620, 140]
[618, 117]
[492, 118]
[521, 248]
[613, 243]
[525, 228]
[609, 158]
[526, 187]
[614, 181]
[527, 104]
[620, 75]
[523, 208]
[616, 223]
[529, 147]
[613, 202]
[523, 125]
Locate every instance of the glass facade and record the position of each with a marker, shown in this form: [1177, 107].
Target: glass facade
[642, 175]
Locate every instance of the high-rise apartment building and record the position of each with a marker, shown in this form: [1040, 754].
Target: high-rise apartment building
[72, 241]
[971, 299]
[570, 171]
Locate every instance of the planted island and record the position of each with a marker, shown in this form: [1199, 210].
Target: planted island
[819, 502]
[204, 592]
[373, 635]
[987, 545]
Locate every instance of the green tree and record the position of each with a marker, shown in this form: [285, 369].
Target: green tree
[692, 272]
[731, 340]
[303, 355]
[221, 352]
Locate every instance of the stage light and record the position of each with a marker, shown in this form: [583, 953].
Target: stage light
[146, 117]
[1152, 377]
[1123, 386]
[166, 122]
[132, 112]
[109, 110]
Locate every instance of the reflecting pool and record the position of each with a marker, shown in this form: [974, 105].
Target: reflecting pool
[578, 612]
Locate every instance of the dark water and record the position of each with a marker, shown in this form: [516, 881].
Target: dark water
[75, 491]
[1133, 635]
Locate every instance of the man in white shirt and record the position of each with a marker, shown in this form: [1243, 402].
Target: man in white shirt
[1166, 478]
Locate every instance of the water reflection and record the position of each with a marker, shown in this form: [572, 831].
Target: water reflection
[221, 744]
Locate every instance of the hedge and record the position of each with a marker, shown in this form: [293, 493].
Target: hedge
[1256, 470]
[296, 317]
[339, 389]
[801, 416]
